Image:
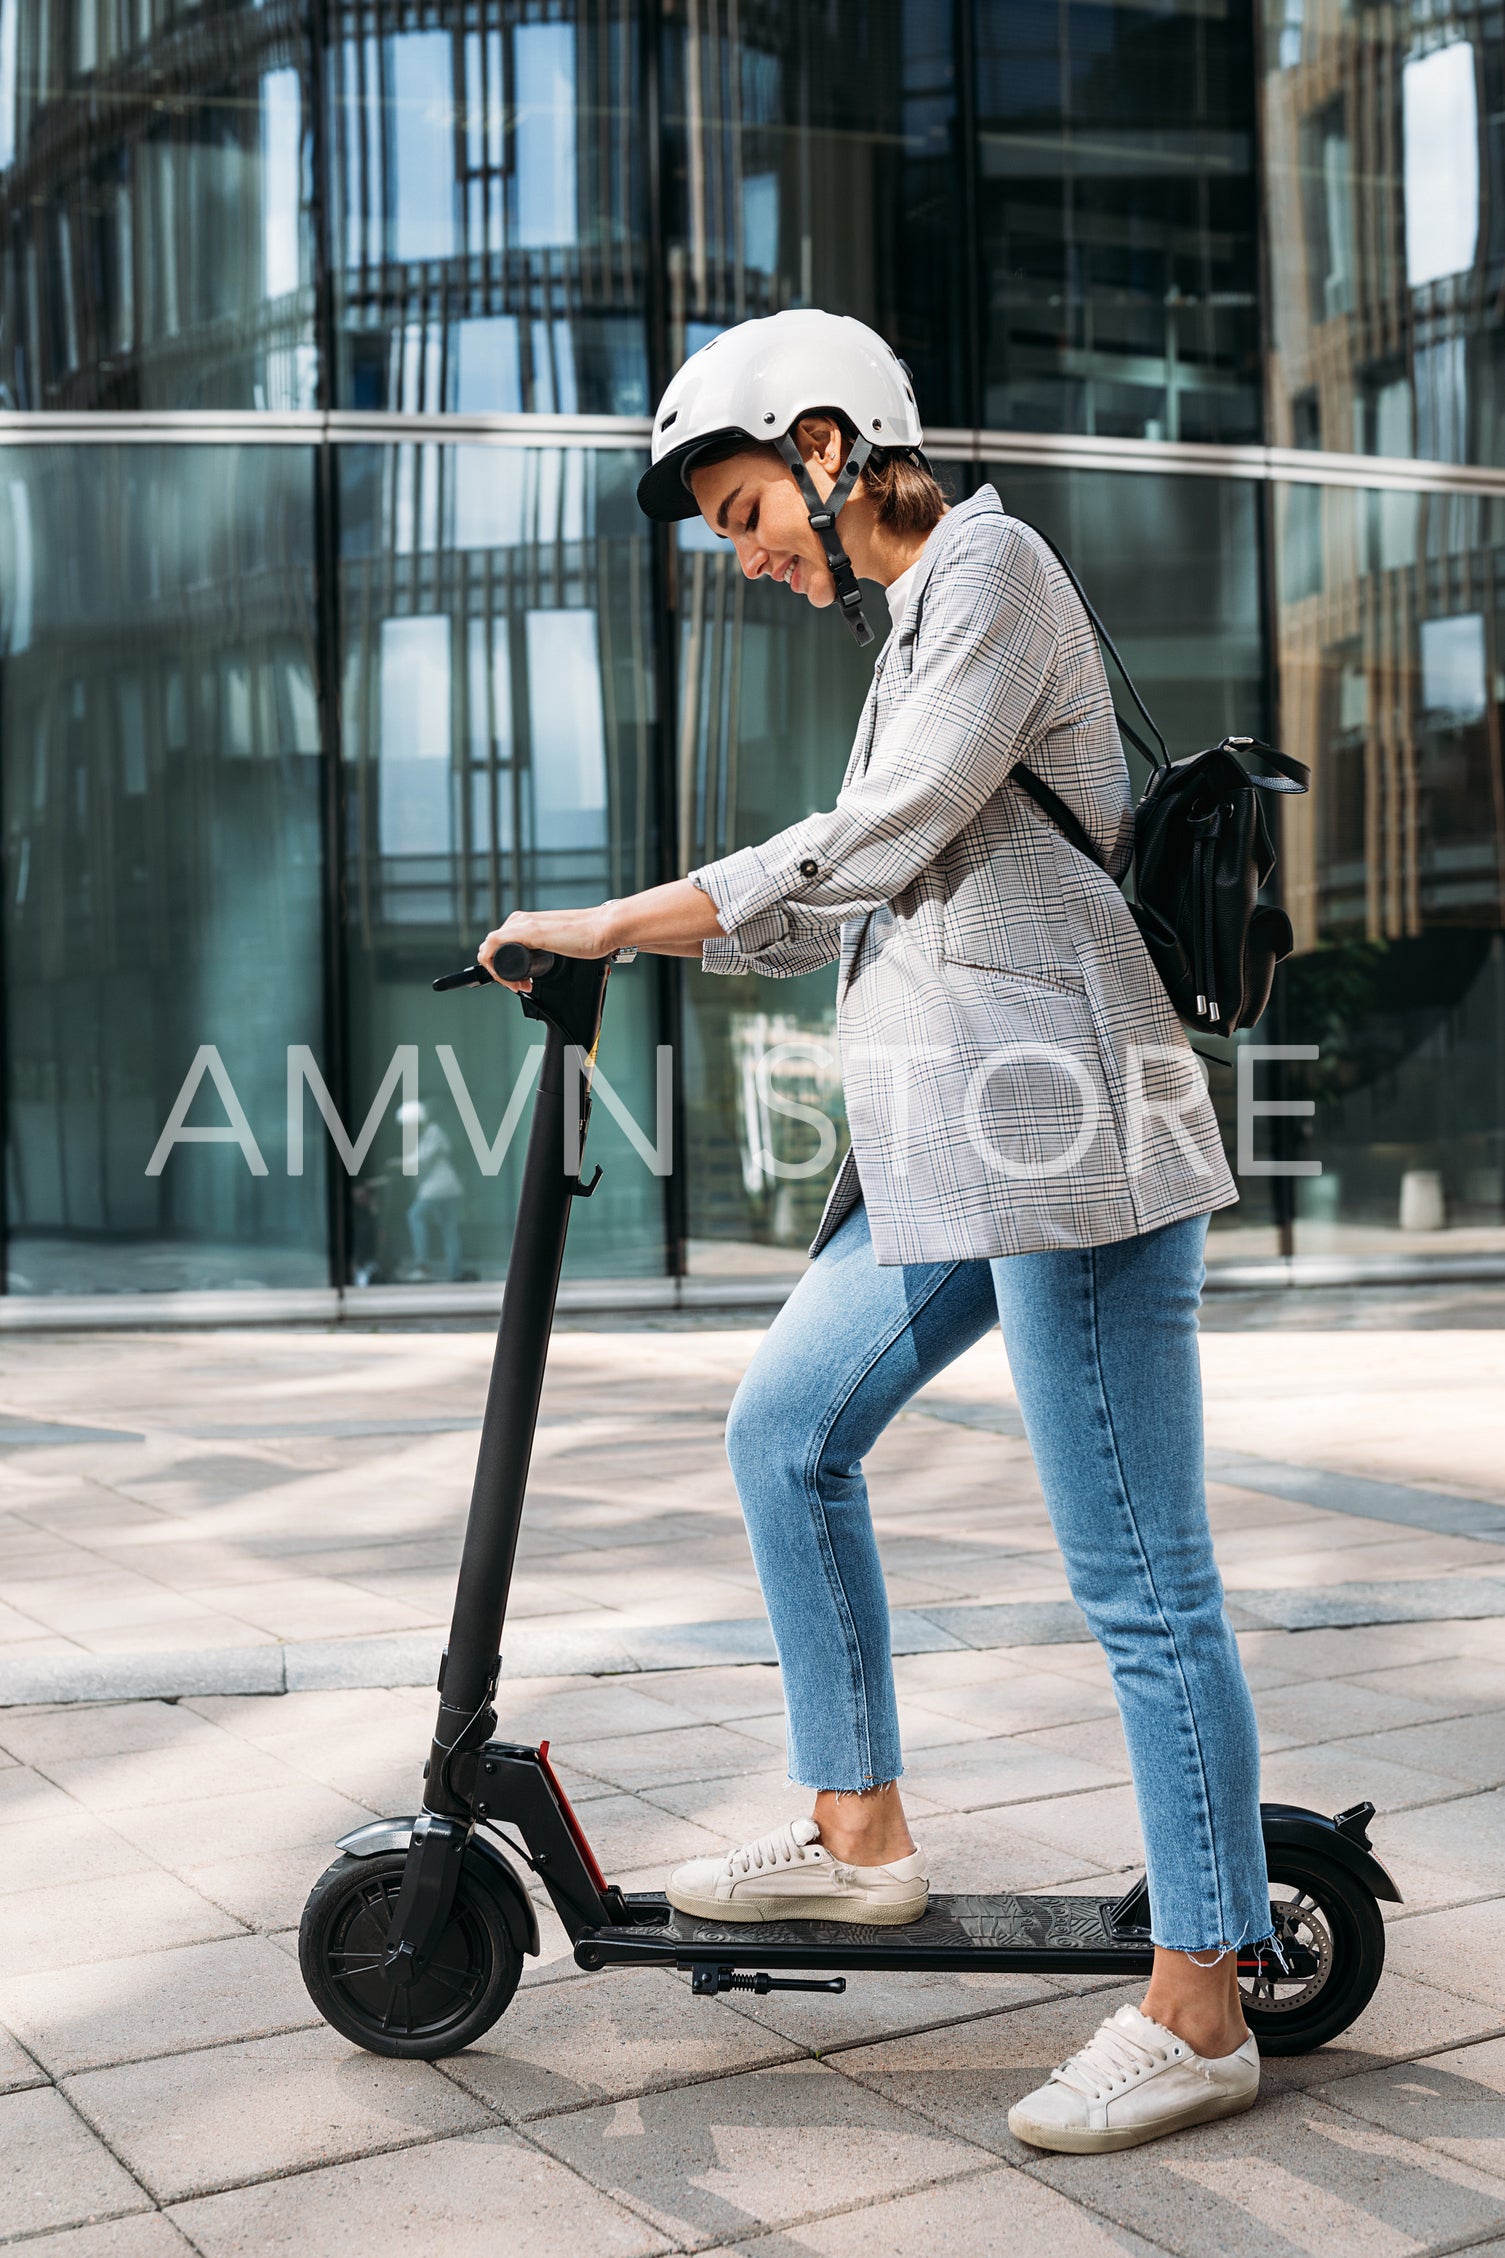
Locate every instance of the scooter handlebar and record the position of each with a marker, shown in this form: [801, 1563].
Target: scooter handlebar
[514, 960]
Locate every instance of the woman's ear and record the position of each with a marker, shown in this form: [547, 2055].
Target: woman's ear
[822, 443]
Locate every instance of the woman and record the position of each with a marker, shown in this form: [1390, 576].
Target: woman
[1031, 1143]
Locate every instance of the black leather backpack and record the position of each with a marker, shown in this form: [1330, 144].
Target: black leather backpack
[1202, 854]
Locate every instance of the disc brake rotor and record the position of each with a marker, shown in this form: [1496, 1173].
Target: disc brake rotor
[1299, 1920]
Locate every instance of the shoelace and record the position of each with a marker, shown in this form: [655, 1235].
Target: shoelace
[776, 1849]
[1110, 2058]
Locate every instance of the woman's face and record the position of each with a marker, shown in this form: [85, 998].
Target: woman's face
[753, 502]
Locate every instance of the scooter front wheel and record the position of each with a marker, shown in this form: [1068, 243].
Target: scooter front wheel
[1322, 1908]
[465, 1984]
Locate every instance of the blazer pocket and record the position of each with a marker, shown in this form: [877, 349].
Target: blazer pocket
[1060, 982]
[988, 929]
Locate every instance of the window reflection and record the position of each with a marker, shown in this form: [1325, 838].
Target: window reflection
[486, 176]
[498, 733]
[811, 157]
[1391, 656]
[154, 209]
[1382, 171]
[162, 862]
[1118, 221]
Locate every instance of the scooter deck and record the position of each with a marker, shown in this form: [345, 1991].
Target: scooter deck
[1009, 1935]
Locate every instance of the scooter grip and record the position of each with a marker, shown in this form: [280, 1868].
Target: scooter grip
[514, 960]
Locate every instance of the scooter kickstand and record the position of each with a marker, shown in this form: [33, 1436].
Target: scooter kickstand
[709, 1978]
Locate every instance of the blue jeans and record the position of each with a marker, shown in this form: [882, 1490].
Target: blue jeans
[1102, 1346]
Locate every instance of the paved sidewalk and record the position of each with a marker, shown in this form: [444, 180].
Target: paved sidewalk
[289, 1505]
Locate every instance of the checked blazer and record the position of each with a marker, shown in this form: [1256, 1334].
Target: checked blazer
[1016, 1078]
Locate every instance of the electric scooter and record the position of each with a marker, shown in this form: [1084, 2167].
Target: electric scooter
[413, 1941]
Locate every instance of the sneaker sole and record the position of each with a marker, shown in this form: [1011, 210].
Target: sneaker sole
[1067, 2141]
[894, 1914]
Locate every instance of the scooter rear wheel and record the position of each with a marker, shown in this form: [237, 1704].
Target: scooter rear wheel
[465, 1984]
[1321, 1906]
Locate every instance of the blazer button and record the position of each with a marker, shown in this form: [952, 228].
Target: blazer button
[809, 870]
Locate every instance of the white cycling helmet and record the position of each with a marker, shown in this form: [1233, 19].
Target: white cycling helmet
[755, 382]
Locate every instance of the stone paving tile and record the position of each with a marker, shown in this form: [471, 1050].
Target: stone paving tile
[469, 2198]
[578, 1710]
[54, 2172]
[876, 2006]
[68, 1924]
[73, 1844]
[983, 1775]
[998, 2214]
[188, 2124]
[968, 2076]
[1403, 2018]
[1456, 1685]
[1293, 1716]
[1292, 2174]
[149, 2235]
[981, 1853]
[266, 1890]
[647, 1760]
[1461, 1950]
[629, 1831]
[1469, 1749]
[1020, 1702]
[17, 2069]
[1329, 1778]
[45, 1737]
[625, 2032]
[1453, 2102]
[1447, 1851]
[211, 1828]
[696, 2162]
[26, 1796]
[139, 1779]
[155, 2003]
[919, 1676]
[1101, 1827]
[719, 1695]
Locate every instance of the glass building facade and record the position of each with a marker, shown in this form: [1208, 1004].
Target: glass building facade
[330, 632]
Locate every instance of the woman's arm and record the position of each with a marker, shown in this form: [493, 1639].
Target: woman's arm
[983, 682]
[667, 921]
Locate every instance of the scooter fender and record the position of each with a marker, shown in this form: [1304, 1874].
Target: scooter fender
[396, 1834]
[1342, 1840]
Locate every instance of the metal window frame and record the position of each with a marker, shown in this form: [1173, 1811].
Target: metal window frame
[1043, 450]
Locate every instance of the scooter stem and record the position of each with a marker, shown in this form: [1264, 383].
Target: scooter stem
[568, 1000]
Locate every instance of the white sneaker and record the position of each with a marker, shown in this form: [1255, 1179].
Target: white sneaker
[1134, 2081]
[787, 1876]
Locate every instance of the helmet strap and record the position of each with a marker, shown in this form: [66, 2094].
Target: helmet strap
[823, 516]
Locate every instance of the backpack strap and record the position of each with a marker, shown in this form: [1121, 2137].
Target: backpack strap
[1160, 759]
[1050, 803]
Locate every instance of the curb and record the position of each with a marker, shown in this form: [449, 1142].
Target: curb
[412, 1659]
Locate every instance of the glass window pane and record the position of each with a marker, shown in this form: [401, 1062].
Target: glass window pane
[155, 253]
[488, 219]
[498, 726]
[1117, 211]
[1392, 651]
[161, 793]
[812, 157]
[1386, 229]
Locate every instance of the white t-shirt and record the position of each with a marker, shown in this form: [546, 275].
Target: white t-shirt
[897, 592]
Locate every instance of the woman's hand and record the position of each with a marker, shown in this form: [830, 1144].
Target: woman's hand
[669, 920]
[564, 932]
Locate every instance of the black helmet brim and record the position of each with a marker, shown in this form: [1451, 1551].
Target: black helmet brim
[663, 491]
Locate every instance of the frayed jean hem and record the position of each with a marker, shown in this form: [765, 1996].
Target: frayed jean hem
[863, 1787]
[1211, 1955]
